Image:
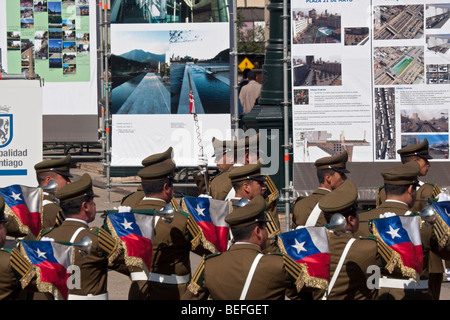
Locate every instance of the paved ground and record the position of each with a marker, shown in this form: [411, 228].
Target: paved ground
[118, 285]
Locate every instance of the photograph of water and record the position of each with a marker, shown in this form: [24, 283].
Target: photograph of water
[154, 70]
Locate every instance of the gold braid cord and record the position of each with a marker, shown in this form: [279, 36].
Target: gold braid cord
[393, 258]
[22, 267]
[129, 261]
[196, 232]
[442, 231]
[300, 273]
[197, 279]
[24, 229]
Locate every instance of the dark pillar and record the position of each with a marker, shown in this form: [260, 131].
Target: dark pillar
[269, 112]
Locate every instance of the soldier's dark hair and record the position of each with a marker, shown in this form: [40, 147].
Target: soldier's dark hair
[405, 159]
[155, 187]
[238, 184]
[321, 173]
[40, 176]
[73, 206]
[244, 233]
[395, 190]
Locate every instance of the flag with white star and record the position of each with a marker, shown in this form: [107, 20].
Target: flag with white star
[210, 215]
[51, 261]
[23, 205]
[308, 247]
[135, 233]
[400, 244]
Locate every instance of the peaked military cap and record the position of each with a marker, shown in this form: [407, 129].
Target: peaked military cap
[251, 213]
[337, 163]
[420, 150]
[77, 189]
[402, 175]
[60, 166]
[340, 200]
[222, 146]
[247, 172]
[2, 210]
[157, 167]
[158, 157]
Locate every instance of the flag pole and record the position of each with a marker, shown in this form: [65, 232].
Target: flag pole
[198, 134]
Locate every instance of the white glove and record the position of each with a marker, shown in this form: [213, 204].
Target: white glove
[387, 215]
[123, 209]
[202, 161]
[46, 239]
[443, 197]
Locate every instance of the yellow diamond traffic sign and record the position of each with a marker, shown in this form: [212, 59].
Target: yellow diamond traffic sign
[245, 64]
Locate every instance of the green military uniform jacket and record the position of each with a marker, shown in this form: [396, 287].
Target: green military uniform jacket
[304, 206]
[224, 276]
[10, 288]
[351, 283]
[94, 267]
[52, 215]
[172, 245]
[220, 185]
[429, 245]
[425, 191]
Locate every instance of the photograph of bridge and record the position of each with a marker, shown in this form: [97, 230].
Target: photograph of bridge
[398, 22]
[154, 71]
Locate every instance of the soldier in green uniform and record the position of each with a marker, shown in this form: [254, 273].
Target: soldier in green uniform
[248, 182]
[77, 202]
[331, 173]
[425, 191]
[173, 241]
[135, 197]
[400, 184]
[348, 278]
[226, 276]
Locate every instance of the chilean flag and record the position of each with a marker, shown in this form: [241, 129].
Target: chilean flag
[191, 103]
[400, 235]
[308, 246]
[52, 260]
[135, 231]
[25, 204]
[210, 216]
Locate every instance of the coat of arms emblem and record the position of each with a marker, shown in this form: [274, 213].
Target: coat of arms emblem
[6, 126]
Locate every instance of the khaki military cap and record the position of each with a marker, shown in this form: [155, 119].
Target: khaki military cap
[2, 210]
[158, 157]
[251, 213]
[247, 143]
[420, 150]
[341, 199]
[222, 146]
[76, 190]
[337, 163]
[247, 172]
[60, 166]
[405, 174]
[160, 167]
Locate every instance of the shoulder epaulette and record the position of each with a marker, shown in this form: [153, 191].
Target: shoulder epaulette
[6, 250]
[367, 238]
[43, 232]
[212, 255]
[380, 188]
[125, 197]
